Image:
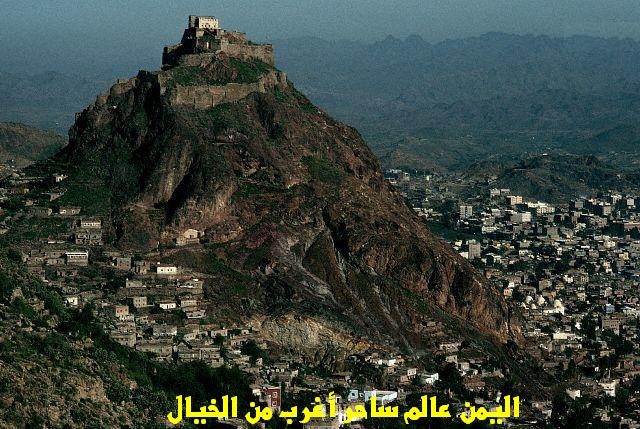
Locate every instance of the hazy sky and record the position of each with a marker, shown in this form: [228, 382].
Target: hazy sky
[107, 36]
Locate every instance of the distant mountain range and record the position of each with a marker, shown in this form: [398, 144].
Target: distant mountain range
[476, 97]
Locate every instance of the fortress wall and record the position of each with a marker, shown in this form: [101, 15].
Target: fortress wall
[197, 60]
[175, 54]
[263, 53]
[204, 97]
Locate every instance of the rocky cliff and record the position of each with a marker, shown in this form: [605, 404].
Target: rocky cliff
[295, 213]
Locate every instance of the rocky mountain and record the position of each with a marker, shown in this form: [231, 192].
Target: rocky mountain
[21, 144]
[297, 236]
[303, 232]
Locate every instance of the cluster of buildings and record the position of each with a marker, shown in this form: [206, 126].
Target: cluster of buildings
[147, 303]
[572, 269]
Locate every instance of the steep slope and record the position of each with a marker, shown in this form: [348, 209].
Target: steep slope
[23, 144]
[58, 368]
[297, 215]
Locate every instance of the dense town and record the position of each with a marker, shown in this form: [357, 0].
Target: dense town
[570, 269]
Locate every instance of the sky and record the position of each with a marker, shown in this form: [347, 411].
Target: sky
[121, 36]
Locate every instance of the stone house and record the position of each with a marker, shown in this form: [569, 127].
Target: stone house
[163, 349]
[188, 301]
[40, 211]
[139, 301]
[123, 263]
[167, 305]
[130, 283]
[196, 314]
[190, 236]
[187, 353]
[120, 310]
[124, 338]
[165, 330]
[141, 267]
[88, 237]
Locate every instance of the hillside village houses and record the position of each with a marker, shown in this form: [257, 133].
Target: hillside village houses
[160, 308]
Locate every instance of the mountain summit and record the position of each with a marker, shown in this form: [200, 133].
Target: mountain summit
[283, 210]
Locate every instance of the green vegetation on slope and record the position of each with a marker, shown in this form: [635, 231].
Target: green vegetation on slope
[324, 171]
[39, 333]
[239, 72]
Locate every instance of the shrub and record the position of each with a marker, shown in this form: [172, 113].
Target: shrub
[324, 171]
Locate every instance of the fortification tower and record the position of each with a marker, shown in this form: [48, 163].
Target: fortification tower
[204, 22]
[205, 36]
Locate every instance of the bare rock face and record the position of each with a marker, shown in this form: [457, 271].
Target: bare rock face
[314, 340]
[292, 202]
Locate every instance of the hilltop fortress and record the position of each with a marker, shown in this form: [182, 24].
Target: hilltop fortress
[204, 36]
[210, 66]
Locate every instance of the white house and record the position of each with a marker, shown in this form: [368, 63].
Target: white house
[167, 305]
[383, 397]
[72, 300]
[166, 270]
[429, 379]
